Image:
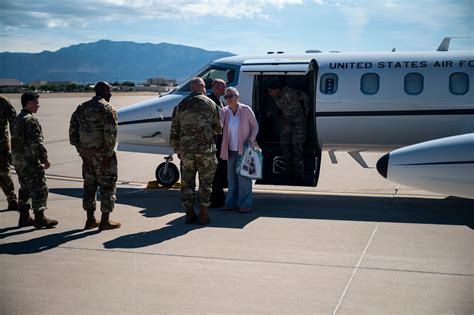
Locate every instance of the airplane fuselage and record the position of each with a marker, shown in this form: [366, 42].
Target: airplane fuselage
[394, 116]
[360, 102]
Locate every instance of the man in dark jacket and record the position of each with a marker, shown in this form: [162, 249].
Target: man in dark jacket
[220, 177]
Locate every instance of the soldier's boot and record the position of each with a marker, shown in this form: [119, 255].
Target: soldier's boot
[296, 168]
[203, 216]
[107, 224]
[42, 221]
[25, 219]
[91, 222]
[191, 216]
[12, 204]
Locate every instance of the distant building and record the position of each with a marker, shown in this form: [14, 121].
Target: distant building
[161, 81]
[60, 83]
[38, 83]
[153, 88]
[10, 86]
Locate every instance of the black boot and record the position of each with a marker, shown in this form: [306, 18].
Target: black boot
[25, 219]
[106, 223]
[12, 205]
[42, 221]
[91, 222]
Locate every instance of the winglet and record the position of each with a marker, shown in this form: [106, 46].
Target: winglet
[444, 46]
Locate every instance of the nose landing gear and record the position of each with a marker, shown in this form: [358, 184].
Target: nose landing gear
[167, 174]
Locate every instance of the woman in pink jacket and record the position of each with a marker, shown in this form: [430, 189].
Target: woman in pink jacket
[240, 127]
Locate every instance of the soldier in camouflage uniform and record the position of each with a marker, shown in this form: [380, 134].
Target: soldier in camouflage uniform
[195, 122]
[295, 108]
[93, 131]
[30, 159]
[7, 115]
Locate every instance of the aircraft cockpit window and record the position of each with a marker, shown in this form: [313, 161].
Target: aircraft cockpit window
[414, 83]
[369, 83]
[211, 73]
[328, 83]
[459, 83]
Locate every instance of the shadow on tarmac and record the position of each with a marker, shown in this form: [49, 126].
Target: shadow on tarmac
[157, 203]
[43, 243]
[451, 210]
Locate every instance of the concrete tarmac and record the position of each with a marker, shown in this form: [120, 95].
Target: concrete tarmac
[356, 244]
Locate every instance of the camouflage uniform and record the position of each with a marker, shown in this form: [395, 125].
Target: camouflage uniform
[295, 108]
[7, 115]
[195, 122]
[28, 153]
[93, 131]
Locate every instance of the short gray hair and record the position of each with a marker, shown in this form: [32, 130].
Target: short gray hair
[233, 90]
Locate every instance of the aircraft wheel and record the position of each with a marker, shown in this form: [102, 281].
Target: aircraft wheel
[167, 177]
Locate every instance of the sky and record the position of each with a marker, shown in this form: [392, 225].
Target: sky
[239, 26]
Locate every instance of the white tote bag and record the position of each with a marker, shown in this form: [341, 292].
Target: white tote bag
[250, 163]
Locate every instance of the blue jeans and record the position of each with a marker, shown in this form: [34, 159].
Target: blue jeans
[239, 194]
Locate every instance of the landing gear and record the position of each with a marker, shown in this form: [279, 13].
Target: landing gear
[167, 174]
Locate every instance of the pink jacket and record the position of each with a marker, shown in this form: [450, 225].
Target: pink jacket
[248, 128]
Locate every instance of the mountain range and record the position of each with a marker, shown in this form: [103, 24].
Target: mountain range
[108, 60]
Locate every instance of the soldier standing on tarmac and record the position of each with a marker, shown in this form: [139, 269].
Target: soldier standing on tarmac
[195, 123]
[30, 159]
[93, 131]
[7, 115]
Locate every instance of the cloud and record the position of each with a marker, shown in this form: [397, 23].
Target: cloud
[357, 18]
[22, 14]
[430, 16]
[50, 24]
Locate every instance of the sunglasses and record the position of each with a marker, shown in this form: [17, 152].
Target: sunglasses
[229, 96]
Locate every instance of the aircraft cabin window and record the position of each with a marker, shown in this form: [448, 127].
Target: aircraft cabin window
[413, 83]
[459, 83]
[328, 83]
[369, 83]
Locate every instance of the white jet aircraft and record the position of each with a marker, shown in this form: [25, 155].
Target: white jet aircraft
[420, 104]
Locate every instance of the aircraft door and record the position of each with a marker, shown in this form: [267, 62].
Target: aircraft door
[273, 128]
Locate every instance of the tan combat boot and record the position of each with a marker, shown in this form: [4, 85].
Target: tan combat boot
[91, 222]
[191, 216]
[25, 219]
[42, 221]
[107, 224]
[203, 216]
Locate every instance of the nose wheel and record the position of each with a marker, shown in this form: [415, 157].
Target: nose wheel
[167, 174]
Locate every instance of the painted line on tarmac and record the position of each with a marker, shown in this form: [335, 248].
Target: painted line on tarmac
[275, 262]
[57, 141]
[127, 184]
[356, 268]
[123, 184]
[345, 193]
[363, 254]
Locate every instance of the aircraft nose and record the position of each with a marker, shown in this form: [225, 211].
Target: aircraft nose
[382, 165]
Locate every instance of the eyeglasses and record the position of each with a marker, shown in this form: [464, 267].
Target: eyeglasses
[229, 96]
